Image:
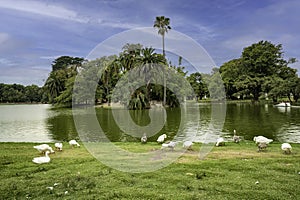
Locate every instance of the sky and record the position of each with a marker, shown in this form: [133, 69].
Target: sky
[34, 33]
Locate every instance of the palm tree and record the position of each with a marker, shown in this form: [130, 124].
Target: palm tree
[129, 55]
[149, 59]
[162, 23]
[145, 61]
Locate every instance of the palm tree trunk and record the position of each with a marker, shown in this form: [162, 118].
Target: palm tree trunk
[164, 75]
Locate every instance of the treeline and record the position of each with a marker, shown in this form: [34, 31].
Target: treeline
[260, 72]
[16, 93]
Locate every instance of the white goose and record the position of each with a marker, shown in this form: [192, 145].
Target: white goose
[286, 148]
[43, 148]
[58, 146]
[161, 138]
[187, 144]
[144, 138]
[43, 159]
[262, 139]
[236, 138]
[170, 145]
[74, 143]
[220, 142]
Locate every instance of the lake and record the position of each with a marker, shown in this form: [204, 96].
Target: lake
[42, 123]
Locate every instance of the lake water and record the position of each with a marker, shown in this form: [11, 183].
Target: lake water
[42, 123]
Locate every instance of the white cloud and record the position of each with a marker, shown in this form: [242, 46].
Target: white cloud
[24, 75]
[176, 42]
[50, 57]
[42, 8]
[117, 24]
[10, 44]
[3, 38]
[238, 43]
[4, 61]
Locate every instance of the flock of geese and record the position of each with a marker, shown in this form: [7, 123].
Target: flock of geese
[46, 149]
[261, 142]
[161, 139]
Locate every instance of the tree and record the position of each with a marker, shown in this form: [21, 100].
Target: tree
[63, 69]
[110, 75]
[148, 61]
[261, 69]
[296, 90]
[64, 61]
[143, 64]
[259, 61]
[215, 85]
[33, 93]
[55, 84]
[162, 23]
[129, 55]
[94, 81]
[198, 85]
[12, 93]
[230, 72]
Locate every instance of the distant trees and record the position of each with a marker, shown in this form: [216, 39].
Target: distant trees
[16, 93]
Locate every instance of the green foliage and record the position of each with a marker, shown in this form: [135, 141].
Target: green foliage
[63, 62]
[260, 70]
[16, 93]
[262, 59]
[198, 84]
[162, 23]
[59, 84]
[55, 84]
[65, 97]
[97, 76]
[229, 72]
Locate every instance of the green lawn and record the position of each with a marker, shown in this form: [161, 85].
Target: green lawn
[234, 171]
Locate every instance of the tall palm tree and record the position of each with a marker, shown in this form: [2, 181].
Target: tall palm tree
[162, 23]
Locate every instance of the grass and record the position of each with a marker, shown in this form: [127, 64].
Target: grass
[234, 171]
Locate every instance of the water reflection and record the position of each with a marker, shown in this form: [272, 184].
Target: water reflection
[254, 119]
[24, 123]
[42, 123]
[60, 124]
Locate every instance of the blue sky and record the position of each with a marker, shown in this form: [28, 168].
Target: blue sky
[34, 33]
